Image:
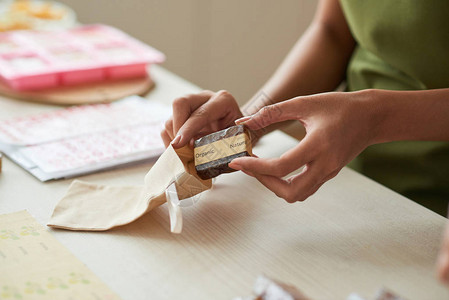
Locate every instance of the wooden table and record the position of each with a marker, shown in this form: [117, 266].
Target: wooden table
[353, 235]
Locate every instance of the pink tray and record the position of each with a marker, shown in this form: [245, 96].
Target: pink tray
[32, 60]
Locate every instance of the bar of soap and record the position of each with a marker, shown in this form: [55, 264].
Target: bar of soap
[215, 151]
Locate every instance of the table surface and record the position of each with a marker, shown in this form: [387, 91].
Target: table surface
[353, 235]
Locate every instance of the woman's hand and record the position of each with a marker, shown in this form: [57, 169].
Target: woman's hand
[338, 125]
[443, 258]
[199, 114]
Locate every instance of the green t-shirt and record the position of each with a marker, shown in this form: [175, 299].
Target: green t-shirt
[402, 45]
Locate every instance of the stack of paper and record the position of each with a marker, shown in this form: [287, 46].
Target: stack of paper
[83, 139]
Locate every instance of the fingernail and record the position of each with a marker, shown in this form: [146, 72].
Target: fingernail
[242, 120]
[235, 166]
[176, 140]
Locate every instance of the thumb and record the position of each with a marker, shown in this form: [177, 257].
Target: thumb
[269, 115]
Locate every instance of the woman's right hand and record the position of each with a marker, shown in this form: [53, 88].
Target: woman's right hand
[199, 114]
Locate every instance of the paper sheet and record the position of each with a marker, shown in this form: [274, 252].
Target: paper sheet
[94, 207]
[80, 120]
[34, 265]
[96, 148]
[83, 139]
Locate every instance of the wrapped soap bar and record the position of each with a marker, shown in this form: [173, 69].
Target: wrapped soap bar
[215, 151]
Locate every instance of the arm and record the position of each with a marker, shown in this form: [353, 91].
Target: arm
[317, 63]
[412, 115]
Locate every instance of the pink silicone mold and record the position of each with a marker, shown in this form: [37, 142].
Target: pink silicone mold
[32, 60]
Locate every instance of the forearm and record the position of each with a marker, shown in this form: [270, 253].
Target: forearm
[410, 115]
[317, 63]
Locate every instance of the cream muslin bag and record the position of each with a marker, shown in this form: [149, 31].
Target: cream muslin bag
[93, 207]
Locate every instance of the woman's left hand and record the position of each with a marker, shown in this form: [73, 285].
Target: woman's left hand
[338, 127]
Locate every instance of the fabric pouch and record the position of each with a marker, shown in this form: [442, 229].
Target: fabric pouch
[94, 207]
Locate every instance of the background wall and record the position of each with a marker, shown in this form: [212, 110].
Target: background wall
[216, 44]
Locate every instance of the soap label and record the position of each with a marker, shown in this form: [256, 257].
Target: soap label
[222, 148]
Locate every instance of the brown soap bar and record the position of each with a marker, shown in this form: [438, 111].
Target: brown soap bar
[215, 151]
